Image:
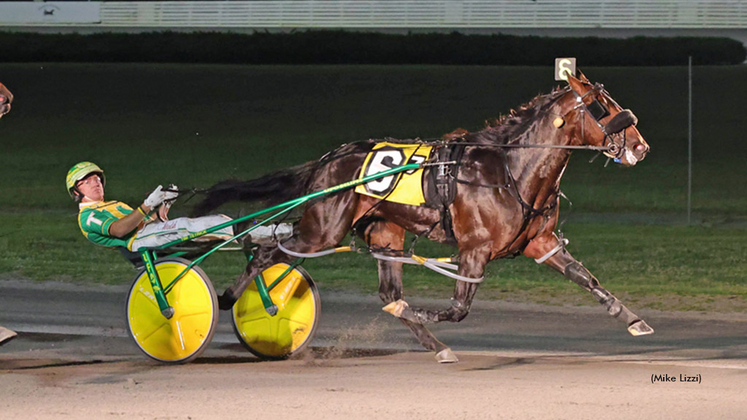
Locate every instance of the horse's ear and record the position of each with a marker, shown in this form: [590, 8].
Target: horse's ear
[576, 84]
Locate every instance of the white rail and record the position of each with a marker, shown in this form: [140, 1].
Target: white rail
[556, 14]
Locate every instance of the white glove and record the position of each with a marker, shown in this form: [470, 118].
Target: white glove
[155, 198]
[170, 196]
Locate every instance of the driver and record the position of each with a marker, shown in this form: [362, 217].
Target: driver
[115, 224]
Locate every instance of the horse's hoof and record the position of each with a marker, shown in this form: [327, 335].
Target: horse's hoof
[395, 308]
[446, 356]
[640, 328]
[6, 335]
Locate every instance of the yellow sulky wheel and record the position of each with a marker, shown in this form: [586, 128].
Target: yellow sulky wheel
[292, 328]
[185, 335]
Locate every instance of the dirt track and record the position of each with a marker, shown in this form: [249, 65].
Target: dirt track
[72, 360]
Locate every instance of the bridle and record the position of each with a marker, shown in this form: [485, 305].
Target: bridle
[615, 138]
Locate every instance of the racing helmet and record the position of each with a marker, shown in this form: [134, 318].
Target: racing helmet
[78, 172]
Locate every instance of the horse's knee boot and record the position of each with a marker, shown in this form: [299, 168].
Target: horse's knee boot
[578, 274]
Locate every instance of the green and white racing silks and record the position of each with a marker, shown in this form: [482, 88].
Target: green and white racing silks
[95, 219]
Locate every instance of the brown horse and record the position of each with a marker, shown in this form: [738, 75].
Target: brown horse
[505, 203]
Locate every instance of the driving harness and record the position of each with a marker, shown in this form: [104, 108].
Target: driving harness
[440, 190]
[443, 178]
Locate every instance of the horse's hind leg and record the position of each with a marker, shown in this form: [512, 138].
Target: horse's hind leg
[562, 261]
[471, 264]
[385, 234]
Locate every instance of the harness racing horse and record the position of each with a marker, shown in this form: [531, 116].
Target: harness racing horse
[506, 203]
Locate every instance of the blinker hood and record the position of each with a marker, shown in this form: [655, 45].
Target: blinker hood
[620, 122]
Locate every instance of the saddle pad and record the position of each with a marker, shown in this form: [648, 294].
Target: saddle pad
[404, 187]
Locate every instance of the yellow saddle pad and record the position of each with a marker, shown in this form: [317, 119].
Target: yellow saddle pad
[404, 187]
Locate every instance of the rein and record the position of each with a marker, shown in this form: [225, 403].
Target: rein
[536, 146]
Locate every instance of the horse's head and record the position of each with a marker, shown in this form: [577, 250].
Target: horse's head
[602, 122]
[5, 99]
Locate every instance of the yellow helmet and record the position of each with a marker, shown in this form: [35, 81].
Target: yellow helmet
[78, 172]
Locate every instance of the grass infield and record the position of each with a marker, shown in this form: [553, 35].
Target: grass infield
[196, 124]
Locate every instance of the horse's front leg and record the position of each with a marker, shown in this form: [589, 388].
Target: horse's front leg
[543, 247]
[471, 264]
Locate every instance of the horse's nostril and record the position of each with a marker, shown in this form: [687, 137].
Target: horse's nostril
[640, 147]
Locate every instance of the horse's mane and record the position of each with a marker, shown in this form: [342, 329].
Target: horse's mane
[503, 129]
[507, 127]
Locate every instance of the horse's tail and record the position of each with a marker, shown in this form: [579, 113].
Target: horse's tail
[276, 187]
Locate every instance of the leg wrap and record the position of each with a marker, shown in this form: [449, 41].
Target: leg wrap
[417, 316]
[456, 313]
[578, 274]
[614, 307]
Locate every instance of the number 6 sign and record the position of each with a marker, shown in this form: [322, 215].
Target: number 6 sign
[564, 67]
